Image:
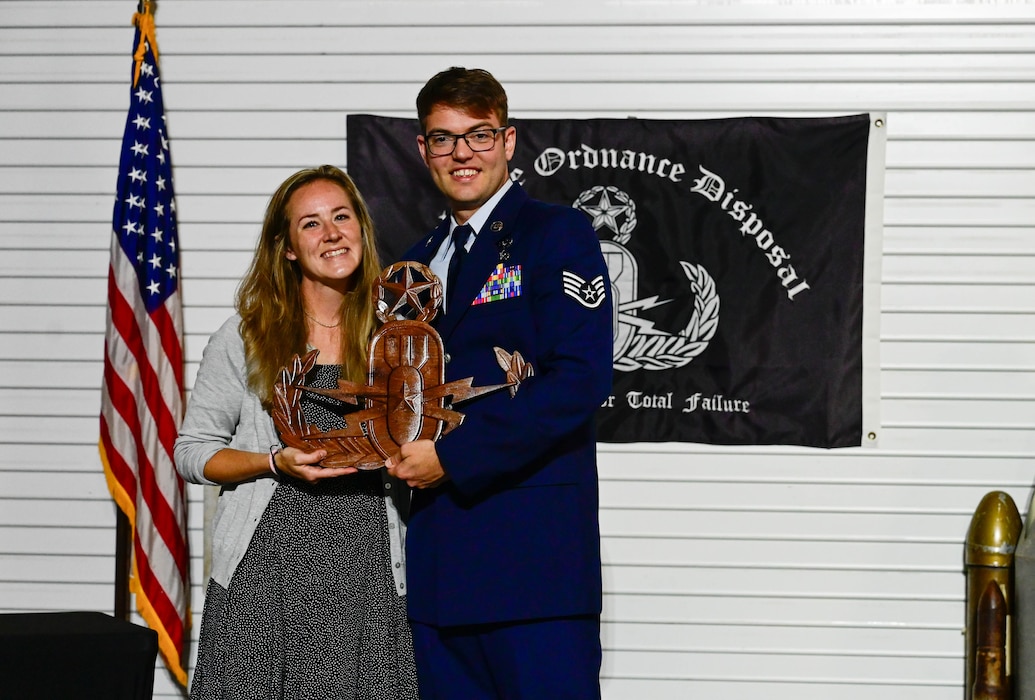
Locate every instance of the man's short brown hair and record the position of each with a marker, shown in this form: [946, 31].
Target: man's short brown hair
[470, 90]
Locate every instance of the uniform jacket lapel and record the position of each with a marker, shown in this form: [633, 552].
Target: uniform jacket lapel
[482, 259]
[425, 251]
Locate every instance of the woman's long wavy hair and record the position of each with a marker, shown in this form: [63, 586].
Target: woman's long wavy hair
[269, 299]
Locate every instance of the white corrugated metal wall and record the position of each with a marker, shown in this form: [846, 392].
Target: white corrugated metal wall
[741, 573]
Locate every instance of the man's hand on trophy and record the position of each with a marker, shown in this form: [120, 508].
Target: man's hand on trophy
[417, 464]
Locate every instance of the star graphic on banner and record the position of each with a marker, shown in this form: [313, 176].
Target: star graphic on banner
[142, 122]
[605, 213]
[143, 95]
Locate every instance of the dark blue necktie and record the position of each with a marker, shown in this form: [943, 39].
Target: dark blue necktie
[460, 235]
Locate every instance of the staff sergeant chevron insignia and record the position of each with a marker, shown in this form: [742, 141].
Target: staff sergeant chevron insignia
[588, 293]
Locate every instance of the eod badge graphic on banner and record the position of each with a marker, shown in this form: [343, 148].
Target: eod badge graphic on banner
[743, 256]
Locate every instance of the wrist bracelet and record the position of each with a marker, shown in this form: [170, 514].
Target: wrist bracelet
[274, 449]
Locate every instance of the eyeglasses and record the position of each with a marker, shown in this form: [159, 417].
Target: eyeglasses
[478, 140]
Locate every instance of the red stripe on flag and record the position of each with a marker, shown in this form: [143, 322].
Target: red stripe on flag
[170, 336]
[120, 470]
[125, 403]
[124, 320]
[152, 587]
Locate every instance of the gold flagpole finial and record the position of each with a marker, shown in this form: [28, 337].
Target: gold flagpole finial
[144, 20]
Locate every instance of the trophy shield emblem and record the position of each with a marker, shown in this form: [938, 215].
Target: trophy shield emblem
[406, 357]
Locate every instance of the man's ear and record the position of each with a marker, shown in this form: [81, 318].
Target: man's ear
[510, 141]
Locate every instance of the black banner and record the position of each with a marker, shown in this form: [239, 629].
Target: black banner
[736, 252]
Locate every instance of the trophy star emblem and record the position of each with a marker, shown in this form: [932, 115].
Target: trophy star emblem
[412, 401]
[408, 292]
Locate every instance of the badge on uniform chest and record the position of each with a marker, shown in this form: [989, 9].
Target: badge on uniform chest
[406, 397]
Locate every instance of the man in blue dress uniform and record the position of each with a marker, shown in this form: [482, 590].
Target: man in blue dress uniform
[503, 547]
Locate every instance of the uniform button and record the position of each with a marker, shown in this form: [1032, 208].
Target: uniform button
[446, 357]
[387, 486]
[391, 526]
[398, 565]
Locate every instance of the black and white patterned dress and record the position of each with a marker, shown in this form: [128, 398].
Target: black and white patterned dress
[312, 612]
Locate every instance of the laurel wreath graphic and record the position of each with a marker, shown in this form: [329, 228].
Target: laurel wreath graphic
[296, 432]
[680, 350]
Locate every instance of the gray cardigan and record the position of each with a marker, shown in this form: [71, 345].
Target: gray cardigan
[224, 412]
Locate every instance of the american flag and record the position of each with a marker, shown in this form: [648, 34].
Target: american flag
[142, 395]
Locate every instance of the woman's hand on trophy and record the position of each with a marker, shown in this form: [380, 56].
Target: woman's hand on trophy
[305, 466]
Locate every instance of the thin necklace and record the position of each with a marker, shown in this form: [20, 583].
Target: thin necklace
[325, 325]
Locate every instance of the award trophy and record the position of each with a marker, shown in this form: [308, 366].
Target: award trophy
[405, 397]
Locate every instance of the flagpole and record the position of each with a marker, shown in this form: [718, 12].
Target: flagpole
[122, 560]
[123, 529]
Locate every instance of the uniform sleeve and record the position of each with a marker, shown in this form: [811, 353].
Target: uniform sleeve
[571, 340]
